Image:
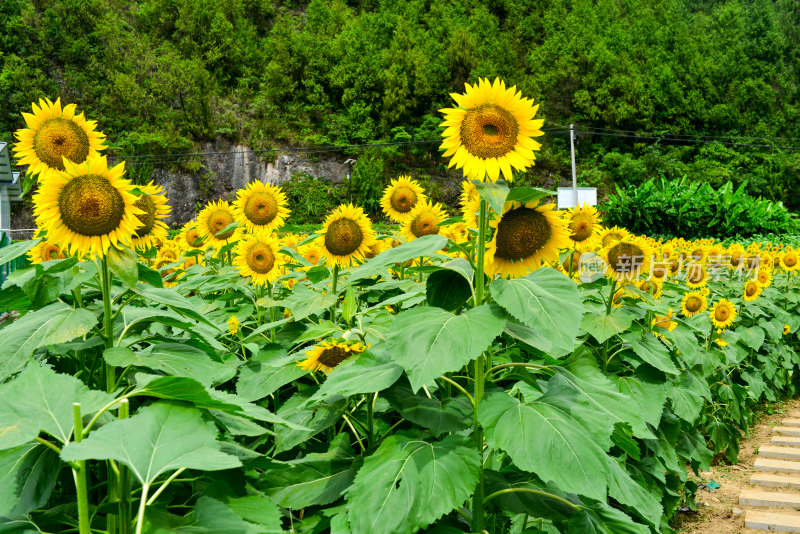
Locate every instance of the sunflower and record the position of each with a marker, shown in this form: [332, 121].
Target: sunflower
[698, 253]
[233, 325]
[329, 354]
[45, 250]
[312, 252]
[191, 236]
[291, 240]
[423, 220]
[609, 236]
[789, 261]
[375, 248]
[54, 133]
[693, 303]
[525, 236]
[261, 206]
[87, 207]
[211, 222]
[652, 287]
[737, 255]
[154, 205]
[665, 322]
[787, 330]
[696, 275]
[470, 203]
[723, 313]
[764, 278]
[582, 222]
[257, 256]
[490, 131]
[169, 250]
[347, 235]
[627, 258]
[164, 264]
[400, 197]
[752, 289]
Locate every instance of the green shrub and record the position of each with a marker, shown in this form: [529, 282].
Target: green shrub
[691, 209]
[310, 198]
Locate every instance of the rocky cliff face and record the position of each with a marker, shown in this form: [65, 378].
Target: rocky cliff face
[227, 168]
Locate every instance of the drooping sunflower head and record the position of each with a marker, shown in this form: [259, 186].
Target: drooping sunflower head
[54, 133]
[525, 236]
[752, 289]
[627, 258]
[87, 207]
[583, 223]
[190, 235]
[155, 209]
[693, 303]
[470, 203]
[213, 221]
[329, 354]
[723, 313]
[347, 235]
[609, 236]
[400, 197]
[258, 256]
[261, 206]
[375, 248]
[491, 131]
[423, 220]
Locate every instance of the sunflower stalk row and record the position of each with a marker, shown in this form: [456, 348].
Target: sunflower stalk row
[514, 368]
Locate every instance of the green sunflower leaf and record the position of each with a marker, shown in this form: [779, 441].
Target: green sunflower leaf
[53, 324]
[493, 193]
[16, 250]
[408, 484]
[543, 438]
[429, 342]
[40, 400]
[547, 301]
[603, 327]
[424, 246]
[158, 439]
[122, 262]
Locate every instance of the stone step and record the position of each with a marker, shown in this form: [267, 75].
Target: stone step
[791, 421]
[770, 499]
[772, 521]
[774, 480]
[776, 466]
[779, 453]
[786, 440]
[792, 413]
[787, 430]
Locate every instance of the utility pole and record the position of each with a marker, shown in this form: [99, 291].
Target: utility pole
[574, 177]
[349, 162]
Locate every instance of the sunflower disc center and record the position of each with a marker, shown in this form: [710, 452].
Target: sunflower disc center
[721, 314]
[193, 238]
[91, 206]
[581, 226]
[521, 233]
[403, 199]
[750, 289]
[343, 237]
[624, 258]
[260, 259]
[425, 224]
[218, 222]
[489, 131]
[148, 218]
[333, 356]
[261, 208]
[693, 304]
[59, 137]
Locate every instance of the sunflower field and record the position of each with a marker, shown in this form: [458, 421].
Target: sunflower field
[514, 369]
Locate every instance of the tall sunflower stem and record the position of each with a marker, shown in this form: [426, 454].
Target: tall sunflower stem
[480, 373]
[124, 483]
[111, 376]
[421, 262]
[79, 473]
[333, 290]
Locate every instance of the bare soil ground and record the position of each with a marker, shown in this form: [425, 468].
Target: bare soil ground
[718, 511]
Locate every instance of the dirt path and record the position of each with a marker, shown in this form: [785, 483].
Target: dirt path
[718, 511]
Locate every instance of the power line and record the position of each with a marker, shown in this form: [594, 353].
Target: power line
[687, 141]
[694, 136]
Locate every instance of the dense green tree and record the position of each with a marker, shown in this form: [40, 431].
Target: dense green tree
[160, 75]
